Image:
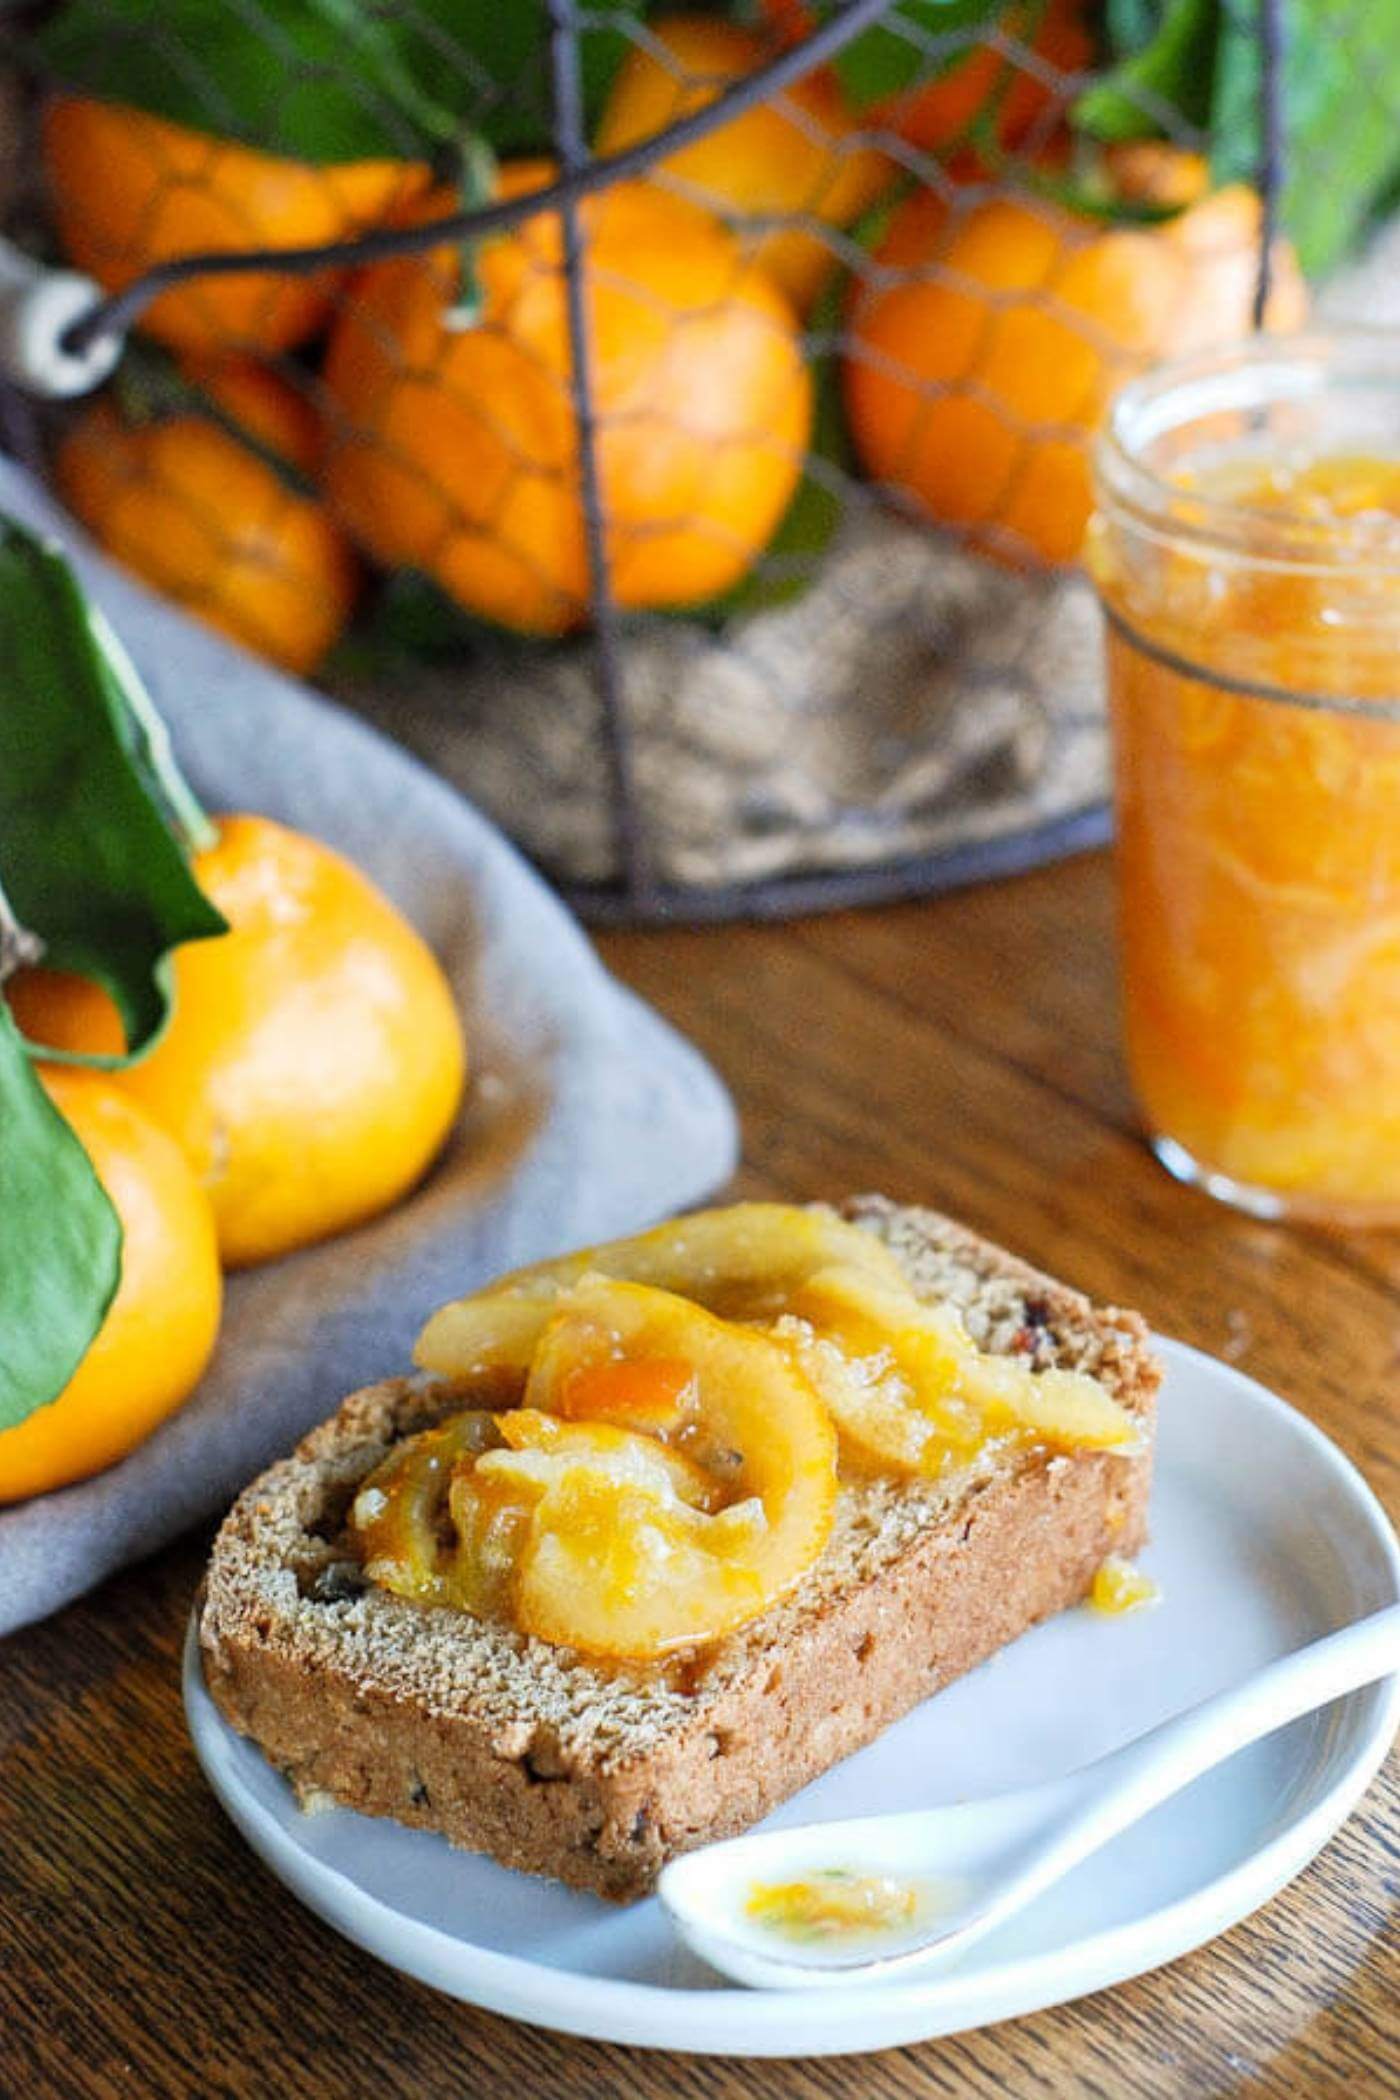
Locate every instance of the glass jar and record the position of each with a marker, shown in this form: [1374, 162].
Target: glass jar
[1247, 552]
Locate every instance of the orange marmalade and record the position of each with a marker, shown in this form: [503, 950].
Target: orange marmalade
[646, 1441]
[1247, 551]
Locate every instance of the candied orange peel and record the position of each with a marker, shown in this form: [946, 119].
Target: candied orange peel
[669, 1475]
[652, 1456]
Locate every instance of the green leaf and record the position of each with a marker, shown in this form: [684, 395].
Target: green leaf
[894, 55]
[495, 54]
[1341, 82]
[411, 620]
[323, 81]
[86, 859]
[1198, 61]
[1173, 71]
[60, 1241]
[1130, 25]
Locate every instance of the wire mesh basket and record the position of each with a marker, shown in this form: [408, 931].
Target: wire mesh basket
[696, 406]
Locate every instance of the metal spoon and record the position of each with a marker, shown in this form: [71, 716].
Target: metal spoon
[967, 1868]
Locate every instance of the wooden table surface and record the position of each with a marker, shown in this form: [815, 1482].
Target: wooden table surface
[962, 1053]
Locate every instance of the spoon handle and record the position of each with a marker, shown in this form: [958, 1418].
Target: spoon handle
[1126, 1784]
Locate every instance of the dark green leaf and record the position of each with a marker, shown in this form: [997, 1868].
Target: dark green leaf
[490, 60]
[317, 80]
[60, 1241]
[907, 48]
[1170, 78]
[85, 857]
[1198, 62]
[412, 620]
[1341, 119]
[1130, 25]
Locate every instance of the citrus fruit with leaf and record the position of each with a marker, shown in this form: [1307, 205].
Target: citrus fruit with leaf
[314, 1061]
[454, 438]
[216, 524]
[159, 1329]
[1012, 73]
[129, 190]
[798, 156]
[981, 356]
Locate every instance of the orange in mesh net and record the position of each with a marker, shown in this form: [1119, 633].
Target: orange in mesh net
[130, 190]
[798, 157]
[984, 346]
[454, 439]
[1020, 78]
[209, 522]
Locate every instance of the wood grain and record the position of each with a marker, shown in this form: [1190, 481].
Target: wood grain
[959, 1052]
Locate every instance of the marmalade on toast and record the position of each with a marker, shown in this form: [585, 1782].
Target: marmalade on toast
[651, 1434]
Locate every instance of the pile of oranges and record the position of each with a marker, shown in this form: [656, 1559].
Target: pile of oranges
[308, 1077]
[984, 328]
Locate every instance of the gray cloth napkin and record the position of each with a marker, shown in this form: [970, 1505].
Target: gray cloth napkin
[587, 1116]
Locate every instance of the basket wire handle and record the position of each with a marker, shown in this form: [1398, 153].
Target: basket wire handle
[1273, 146]
[572, 146]
[39, 311]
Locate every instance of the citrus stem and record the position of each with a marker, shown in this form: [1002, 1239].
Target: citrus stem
[189, 818]
[474, 178]
[18, 946]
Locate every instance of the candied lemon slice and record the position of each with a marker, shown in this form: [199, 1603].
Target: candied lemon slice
[606, 1538]
[542, 1450]
[394, 1517]
[657, 1397]
[909, 1388]
[490, 1521]
[886, 1422]
[743, 1262]
[625, 1572]
[577, 1372]
[621, 1568]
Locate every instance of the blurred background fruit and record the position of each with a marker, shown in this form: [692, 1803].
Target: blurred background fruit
[160, 1328]
[129, 190]
[315, 1060]
[454, 441]
[976, 373]
[800, 157]
[213, 522]
[895, 293]
[991, 81]
[1019, 95]
[275, 412]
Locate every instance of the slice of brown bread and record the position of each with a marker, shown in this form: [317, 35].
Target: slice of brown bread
[598, 1775]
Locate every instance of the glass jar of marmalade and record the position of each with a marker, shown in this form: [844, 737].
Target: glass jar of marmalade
[1246, 549]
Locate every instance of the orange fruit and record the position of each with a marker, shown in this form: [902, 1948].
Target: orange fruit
[935, 114]
[160, 1328]
[212, 525]
[275, 414]
[798, 156]
[314, 1062]
[455, 449]
[974, 380]
[130, 190]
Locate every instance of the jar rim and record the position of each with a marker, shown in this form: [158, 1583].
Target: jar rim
[1259, 372]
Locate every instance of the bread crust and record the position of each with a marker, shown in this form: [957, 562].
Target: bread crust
[561, 1766]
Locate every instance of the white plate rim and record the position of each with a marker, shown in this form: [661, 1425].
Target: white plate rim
[767, 2023]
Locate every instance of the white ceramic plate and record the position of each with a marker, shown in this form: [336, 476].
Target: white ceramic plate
[1264, 1537]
